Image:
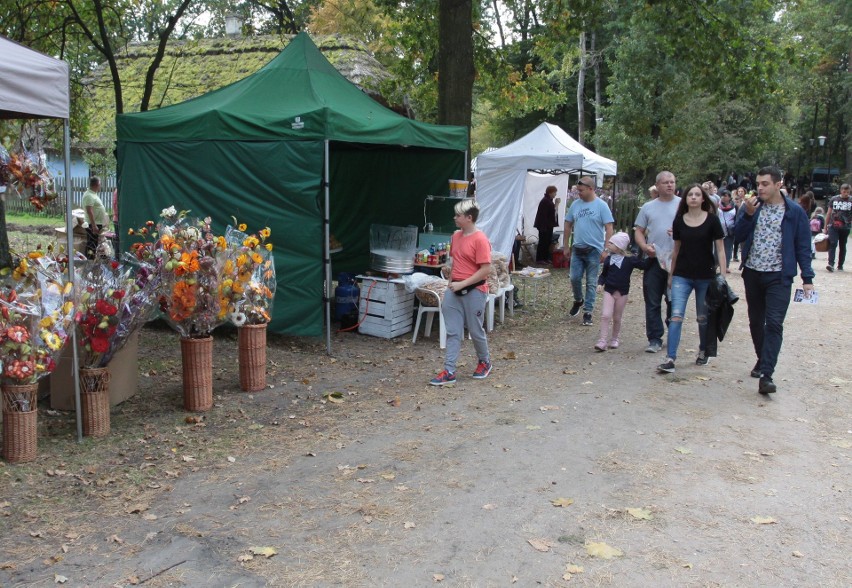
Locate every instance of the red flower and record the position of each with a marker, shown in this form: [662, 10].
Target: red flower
[118, 294]
[100, 344]
[105, 308]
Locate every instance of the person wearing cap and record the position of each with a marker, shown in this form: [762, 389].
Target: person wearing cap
[545, 222]
[591, 220]
[614, 282]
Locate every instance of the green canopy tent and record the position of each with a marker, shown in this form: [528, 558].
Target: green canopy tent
[299, 148]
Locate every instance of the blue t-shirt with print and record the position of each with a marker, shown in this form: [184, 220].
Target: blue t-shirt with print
[589, 219]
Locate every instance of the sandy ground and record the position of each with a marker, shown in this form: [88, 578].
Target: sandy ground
[525, 478]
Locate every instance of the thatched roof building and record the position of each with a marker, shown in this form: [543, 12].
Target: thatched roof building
[191, 68]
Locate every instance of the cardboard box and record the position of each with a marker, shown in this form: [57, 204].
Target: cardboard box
[124, 377]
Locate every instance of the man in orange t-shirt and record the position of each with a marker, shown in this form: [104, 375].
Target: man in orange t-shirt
[467, 293]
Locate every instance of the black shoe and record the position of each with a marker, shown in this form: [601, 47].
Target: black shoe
[766, 385]
[587, 319]
[666, 368]
[702, 359]
[575, 309]
[840, 268]
[755, 371]
[829, 268]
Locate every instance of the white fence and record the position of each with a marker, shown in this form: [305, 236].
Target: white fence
[56, 208]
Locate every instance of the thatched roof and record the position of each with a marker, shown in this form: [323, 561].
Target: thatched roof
[191, 68]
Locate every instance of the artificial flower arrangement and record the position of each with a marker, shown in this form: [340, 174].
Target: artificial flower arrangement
[185, 253]
[28, 176]
[36, 315]
[113, 301]
[248, 283]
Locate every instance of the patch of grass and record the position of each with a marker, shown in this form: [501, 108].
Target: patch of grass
[22, 243]
[34, 220]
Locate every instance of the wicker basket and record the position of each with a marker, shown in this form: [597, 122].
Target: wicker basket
[197, 358]
[822, 244]
[20, 422]
[252, 352]
[94, 397]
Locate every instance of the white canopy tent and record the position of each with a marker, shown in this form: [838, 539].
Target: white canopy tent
[510, 181]
[33, 85]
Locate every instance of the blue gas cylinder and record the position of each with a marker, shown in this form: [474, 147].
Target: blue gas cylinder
[345, 295]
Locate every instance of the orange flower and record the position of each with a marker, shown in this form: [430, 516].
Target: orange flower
[183, 301]
[188, 263]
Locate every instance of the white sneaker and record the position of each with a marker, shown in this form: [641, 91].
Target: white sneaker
[653, 347]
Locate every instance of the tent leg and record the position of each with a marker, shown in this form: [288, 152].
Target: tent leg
[69, 231]
[327, 255]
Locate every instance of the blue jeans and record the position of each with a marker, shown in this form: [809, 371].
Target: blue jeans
[767, 296]
[654, 285]
[681, 289]
[729, 248]
[585, 262]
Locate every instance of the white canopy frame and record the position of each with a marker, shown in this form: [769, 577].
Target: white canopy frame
[38, 86]
[502, 176]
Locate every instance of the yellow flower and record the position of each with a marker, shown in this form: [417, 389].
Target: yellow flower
[242, 259]
[269, 246]
[35, 254]
[221, 244]
[46, 323]
[255, 257]
[265, 232]
[243, 227]
[251, 242]
[229, 267]
[52, 340]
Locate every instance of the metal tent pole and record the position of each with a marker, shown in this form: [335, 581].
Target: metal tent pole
[327, 255]
[69, 233]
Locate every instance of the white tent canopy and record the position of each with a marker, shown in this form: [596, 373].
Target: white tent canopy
[502, 177]
[33, 85]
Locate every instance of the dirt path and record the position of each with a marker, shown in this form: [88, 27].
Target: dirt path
[402, 484]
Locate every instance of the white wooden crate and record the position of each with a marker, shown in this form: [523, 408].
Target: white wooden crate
[389, 308]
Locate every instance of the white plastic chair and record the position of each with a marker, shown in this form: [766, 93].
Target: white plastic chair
[430, 311]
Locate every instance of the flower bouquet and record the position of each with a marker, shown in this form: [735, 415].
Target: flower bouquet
[185, 254]
[29, 177]
[36, 314]
[246, 291]
[113, 301]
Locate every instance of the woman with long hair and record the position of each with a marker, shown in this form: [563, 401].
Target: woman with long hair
[696, 231]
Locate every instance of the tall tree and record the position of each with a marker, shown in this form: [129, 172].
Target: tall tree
[455, 62]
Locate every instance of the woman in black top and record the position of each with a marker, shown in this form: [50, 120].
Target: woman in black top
[696, 231]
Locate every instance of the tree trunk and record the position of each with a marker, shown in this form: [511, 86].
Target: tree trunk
[581, 94]
[596, 60]
[5, 254]
[499, 24]
[455, 62]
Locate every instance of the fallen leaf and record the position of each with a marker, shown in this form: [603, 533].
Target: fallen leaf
[702, 378]
[266, 552]
[194, 419]
[438, 577]
[7, 566]
[602, 550]
[542, 545]
[187, 458]
[687, 566]
[244, 499]
[574, 569]
[232, 459]
[683, 450]
[115, 539]
[533, 427]
[136, 508]
[395, 402]
[798, 554]
[562, 502]
[36, 534]
[245, 557]
[57, 579]
[570, 372]
[409, 525]
[509, 355]
[387, 476]
[763, 520]
[548, 407]
[366, 480]
[334, 397]
[640, 513]
[255, 427]
[149, 517]
[489, 506]
[133, 580]
[72, 535]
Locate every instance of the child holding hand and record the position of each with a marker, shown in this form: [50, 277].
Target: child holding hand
[614, 281]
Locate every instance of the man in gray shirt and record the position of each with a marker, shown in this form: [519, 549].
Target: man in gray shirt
[652, 231]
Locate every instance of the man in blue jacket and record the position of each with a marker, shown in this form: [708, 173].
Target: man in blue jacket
[775, 236]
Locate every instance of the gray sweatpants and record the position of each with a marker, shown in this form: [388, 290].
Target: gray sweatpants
[457, 311]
